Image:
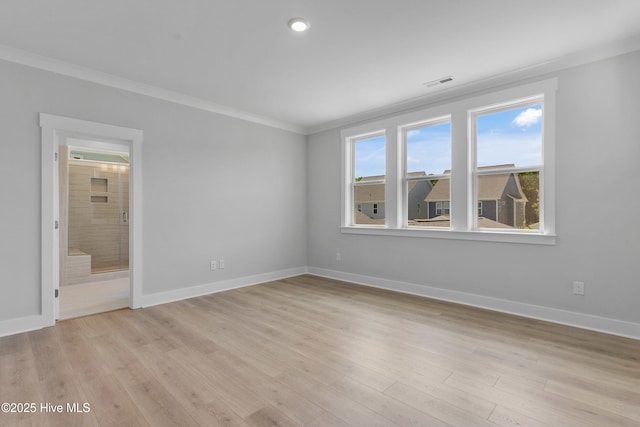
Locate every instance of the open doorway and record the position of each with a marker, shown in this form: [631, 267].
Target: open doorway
[94, 227]
[60, 136]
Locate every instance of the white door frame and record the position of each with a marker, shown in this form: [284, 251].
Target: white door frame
[56, 129]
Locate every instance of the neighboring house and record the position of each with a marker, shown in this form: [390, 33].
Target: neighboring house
[500, 199]
[370, 199]
[418, 191]
[445, 221]
[362, 219]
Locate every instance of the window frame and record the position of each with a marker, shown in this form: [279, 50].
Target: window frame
[444, 209]
[478, 171]
[349, 203]
[463, 202]
[403, 131]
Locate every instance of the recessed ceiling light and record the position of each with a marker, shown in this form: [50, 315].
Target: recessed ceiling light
[298, 24]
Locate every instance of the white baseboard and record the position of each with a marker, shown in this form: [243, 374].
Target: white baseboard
[569, 318]
[22, 324]
[579, 320]
[31, 323]
[224, 285]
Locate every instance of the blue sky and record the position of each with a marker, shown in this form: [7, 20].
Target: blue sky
[370, 157]
[512, 136]
[429, 149]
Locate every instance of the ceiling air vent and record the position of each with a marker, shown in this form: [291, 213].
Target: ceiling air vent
[440, 81]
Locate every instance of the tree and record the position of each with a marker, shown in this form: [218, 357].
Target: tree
[530, 184]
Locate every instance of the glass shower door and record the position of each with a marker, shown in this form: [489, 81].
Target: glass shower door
[99, 214]
[123, 227]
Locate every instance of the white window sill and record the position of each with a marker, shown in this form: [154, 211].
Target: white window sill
[531, 238]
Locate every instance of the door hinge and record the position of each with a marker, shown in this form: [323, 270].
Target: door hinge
[55, 157]
[56, 225]
[56, 294]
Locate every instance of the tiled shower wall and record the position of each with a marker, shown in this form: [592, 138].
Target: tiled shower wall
[98, 213]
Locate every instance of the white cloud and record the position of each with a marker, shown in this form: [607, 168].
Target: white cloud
[413, 160]
[528, 117]
[413, 132]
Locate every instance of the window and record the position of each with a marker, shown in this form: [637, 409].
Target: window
[367, 187]
[508, 164]
[427, 160]
[480, 168]
[442, 208]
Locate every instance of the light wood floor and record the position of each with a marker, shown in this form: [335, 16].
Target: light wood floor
[309, 351]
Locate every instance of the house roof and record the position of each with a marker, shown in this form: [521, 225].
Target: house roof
[490, 187]
[374, 193]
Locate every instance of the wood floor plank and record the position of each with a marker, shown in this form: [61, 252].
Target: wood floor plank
[187, 386]
[541, 405]
[271, 417]
[310, 351]
[236, 395]
[111, 404]
[14, 344]
[49, 356]
[334, 401]
[626, 404]
[120, 359]
[80, 353]
[204, 404]
[289, 402]
[184, 332]
[17, 369]
[506, 417]
[390, 408]
[158, 406]
[124, 324]
[435, 406]
[328, 420]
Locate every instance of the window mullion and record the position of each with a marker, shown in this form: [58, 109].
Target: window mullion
[460, 176]
[393, 178]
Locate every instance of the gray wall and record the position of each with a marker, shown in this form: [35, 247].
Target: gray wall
[597, 155]
[202, 172]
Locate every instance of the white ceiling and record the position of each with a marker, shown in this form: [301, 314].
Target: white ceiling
[358, 56]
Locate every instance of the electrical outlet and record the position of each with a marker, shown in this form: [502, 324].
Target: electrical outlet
[213, 265]
[221, 264]
[338, 256]
[578, 288]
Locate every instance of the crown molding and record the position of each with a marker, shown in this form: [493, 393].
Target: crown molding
[68, 69]
[534, 71]
[555, 65]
